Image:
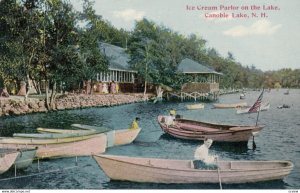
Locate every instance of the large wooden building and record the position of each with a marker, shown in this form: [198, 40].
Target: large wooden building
[119, 69]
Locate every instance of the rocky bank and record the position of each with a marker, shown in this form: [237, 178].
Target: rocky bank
[17, 105]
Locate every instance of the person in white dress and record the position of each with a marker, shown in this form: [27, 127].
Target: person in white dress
[202, 156]
[105, 88]
[169, 120]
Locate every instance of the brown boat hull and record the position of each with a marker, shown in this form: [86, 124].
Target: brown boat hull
[194, 130]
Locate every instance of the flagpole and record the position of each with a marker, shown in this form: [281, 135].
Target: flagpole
[258, 111]
[257, 117]
[253, 142]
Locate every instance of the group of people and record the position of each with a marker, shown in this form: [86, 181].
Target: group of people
[103, 87]
[202, 158]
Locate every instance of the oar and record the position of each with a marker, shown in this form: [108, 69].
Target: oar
[220, 182]
[253, 143]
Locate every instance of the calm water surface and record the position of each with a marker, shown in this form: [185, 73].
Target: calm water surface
[279, 140]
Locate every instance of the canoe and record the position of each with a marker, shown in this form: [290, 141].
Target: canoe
[61, 131]
[196, 130]
[153, 170]
[50, 135]
[229, 105]
[195, 106]
[43, 141]
[114, 137]
[263, 107]
[90, 127]
[7, 159]
[56, 134]
[80, 129]
[72, 146]
[52, 148]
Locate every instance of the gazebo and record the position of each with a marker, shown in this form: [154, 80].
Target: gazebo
[201, 81]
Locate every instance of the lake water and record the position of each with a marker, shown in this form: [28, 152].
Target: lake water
[279, 140]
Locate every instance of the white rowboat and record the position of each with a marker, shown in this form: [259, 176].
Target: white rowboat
[195, 106]
[153, 170]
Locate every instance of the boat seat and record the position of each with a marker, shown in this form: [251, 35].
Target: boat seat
[196, 127]
[192, 164]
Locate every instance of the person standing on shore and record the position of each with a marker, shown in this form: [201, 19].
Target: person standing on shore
[117, 87]
[105, 88]
[113, 87]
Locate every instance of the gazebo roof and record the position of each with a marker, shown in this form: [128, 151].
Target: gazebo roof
[118, 58]
[189, 66]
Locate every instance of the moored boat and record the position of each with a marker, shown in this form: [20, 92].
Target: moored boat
[91, 127]
[196, 130]
[56, 135]
[195, 106]
[125, 136]
[242, 96]
[114, 137]
[229, 105]
[25, 157]
[287, 92]
[84, 145]
[153, 170]
[60, 131]
[264, 107]
[7, 159]
[59, 147]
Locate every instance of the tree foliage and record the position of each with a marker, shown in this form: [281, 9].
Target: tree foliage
[45, 40]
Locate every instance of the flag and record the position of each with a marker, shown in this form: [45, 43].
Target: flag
[257, 104]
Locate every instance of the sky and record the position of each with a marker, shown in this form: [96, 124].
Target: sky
[268, 36]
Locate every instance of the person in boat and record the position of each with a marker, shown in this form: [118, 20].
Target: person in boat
[202, 158]
[173, 113]
[169, 120]
[135, 123]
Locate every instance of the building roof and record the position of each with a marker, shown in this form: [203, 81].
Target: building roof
[189, 66]
[117, 57]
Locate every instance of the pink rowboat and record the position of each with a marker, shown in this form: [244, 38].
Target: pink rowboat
[196, 130]
[137, 169]
[65, 147]
[7, 159]
[84, 147]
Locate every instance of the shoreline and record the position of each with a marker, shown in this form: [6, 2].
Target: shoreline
[16, 105]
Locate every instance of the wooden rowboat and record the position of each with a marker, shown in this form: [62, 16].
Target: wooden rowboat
[90, 127]
[114, 137]
[137, 169]
[43, 141]
[263, 107]
[25, 158]
[72, 146]
[7, 159]
[60, 131]
[229, 105]
[196, 130]
[61, 148]
[81, 129]
[55, 135]
[195, 106]
[50, 135]
[125, 136]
